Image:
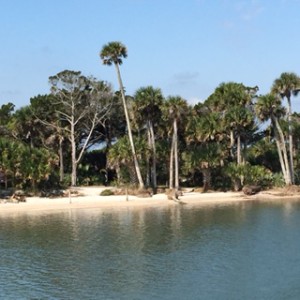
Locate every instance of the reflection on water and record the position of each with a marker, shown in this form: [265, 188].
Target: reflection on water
[242, 251]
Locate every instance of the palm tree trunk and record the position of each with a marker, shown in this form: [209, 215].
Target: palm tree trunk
[206, 172]
[239, 157]
[132, 175]
[291, 147]
[283, 169]
[176, 156]
[135, 160]
[148, 175]
[153, 173]
[118, 171]
[231, 143]
[281, 139]
[171, 168]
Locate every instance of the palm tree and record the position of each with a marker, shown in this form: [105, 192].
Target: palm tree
[112, 53]
[268, 107]
[147, 103]
[203, 135]
[233, 101]
[286, 85]
[175, 108]
[239, 120]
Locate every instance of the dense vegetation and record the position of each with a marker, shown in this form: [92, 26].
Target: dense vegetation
[85, 133]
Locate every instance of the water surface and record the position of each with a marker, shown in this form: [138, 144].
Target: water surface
[248, 250]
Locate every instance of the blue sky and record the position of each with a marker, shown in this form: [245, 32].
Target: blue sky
[184, 47]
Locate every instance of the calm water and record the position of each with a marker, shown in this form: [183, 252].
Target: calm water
[242, 251]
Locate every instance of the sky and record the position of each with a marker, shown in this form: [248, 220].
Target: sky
[183, 47]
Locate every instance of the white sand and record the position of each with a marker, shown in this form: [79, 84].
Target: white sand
[89, 198]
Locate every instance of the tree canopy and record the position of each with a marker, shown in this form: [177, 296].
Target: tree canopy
[84, 132]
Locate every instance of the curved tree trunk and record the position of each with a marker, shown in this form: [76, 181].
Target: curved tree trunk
[291, 146]
[135, 160]
[283, 169]
[281, 140]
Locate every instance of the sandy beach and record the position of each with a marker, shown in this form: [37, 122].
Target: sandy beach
[89, 198]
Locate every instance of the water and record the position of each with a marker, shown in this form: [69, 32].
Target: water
[241, 251]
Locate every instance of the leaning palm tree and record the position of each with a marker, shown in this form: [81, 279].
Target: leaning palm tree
[112, 53]
[268, 107]
[286, 85]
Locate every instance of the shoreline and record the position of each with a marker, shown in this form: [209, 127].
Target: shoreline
[89, 198]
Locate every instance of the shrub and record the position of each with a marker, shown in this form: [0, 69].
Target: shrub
[278, 180]
[251, 175]
[107, 193]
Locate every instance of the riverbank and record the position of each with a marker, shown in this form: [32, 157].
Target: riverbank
[89, 198]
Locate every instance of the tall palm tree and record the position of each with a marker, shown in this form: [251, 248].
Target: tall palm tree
[286, 85]
[175, 108]
[268, 107]
[147, 105]
[112, 53]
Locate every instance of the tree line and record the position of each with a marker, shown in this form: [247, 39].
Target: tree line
[85, 133]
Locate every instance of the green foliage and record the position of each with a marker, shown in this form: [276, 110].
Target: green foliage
[269, 106]
[286, 85]
[264, 153]
[278, 180]
[147, 105]
[209, 135]
[25, 166]
[112, 53]
[252, 175]
[92, 180]
[66, 180]
[107, 192]
[257, 175]
[6, 111]
[120, 158]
